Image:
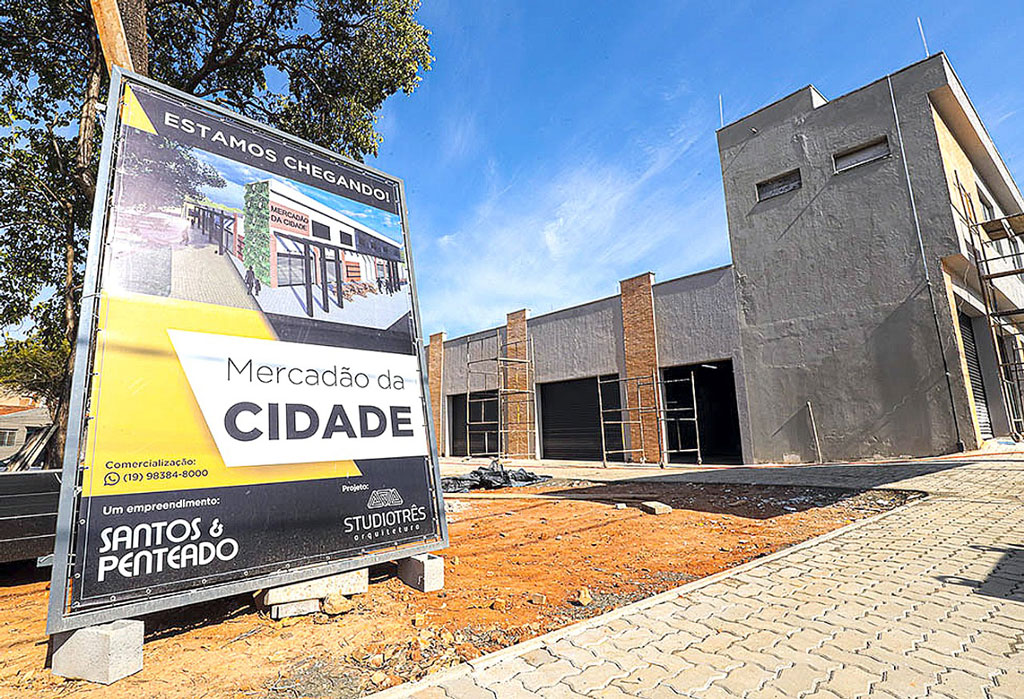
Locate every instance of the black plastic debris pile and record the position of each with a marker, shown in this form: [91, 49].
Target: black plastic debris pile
[490, 477]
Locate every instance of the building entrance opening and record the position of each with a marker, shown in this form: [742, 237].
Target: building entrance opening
[998, 262]
[474, 424]
[717, 424]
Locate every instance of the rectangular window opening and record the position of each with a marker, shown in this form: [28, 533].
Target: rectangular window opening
[988, 211]
[321, 231]
[781, 184]
[290, 270]
[7, 437]
[865, 153]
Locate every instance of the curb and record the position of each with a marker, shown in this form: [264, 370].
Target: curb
[491, 659]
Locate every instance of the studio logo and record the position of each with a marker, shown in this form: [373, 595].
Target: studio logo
[386, 497]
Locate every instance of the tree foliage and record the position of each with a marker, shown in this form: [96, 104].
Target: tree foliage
[341, 60]
[320, 69]
[256, 250]
[159, 172]
[42, 215]
[35, 369]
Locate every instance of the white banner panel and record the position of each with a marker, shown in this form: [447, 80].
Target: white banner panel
[270, 402]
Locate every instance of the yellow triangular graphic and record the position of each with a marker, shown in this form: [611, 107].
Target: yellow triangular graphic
[132, 113]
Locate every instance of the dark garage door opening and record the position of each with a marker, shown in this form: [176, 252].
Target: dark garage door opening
[571, 421]
[483, 423]
[717, 416]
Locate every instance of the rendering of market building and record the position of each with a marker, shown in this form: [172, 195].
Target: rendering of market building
[871, 307]
[310, 244]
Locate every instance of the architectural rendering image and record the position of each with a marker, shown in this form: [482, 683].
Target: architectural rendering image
[214, 231]
[312, 260]
[410, 349]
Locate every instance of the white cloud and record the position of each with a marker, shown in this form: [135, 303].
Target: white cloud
[570, 235]
[1000, 118]
[459, 136]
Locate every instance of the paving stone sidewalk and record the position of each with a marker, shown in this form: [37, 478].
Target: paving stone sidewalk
[927, 600]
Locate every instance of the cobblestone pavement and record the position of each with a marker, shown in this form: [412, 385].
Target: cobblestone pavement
[927, 600]
[200, 274]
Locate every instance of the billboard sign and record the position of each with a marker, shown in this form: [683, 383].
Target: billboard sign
[249, 397]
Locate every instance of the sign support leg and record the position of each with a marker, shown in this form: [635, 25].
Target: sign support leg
[103, 654]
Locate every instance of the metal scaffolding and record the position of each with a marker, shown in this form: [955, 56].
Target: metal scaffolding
[675, 415]
[999, 260]
[629, 419]
[645, 395]
[505, 401]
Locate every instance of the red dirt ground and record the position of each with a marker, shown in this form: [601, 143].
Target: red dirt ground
[502, 552]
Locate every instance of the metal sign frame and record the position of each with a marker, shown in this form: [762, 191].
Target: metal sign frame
[59, 619]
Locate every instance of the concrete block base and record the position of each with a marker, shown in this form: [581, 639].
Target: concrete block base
[289, 609]
[354, 582]
[653, 507]
[102, 654]
[424, 572]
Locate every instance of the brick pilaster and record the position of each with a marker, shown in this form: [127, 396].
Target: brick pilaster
[517, 407]
[435, 378]
[641, 354]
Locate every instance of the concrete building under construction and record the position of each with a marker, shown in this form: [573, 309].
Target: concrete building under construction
[871, 308]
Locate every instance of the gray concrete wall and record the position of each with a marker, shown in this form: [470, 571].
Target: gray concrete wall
[578, 342]
[827, 301]
[571, 343]
[478, 345]
[832, 304]
[695, 320]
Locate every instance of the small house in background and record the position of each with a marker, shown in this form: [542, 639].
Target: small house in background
[21, 419]
[28, 492]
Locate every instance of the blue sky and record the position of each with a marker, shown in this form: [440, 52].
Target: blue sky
[557, 147]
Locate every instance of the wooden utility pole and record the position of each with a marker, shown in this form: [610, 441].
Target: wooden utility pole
[112, 35]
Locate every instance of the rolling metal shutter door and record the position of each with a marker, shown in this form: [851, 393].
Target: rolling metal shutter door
[570, 421]
[974, 371]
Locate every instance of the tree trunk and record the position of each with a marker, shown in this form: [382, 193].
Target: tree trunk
[55, 450]
[85, 181]
[133, 18]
